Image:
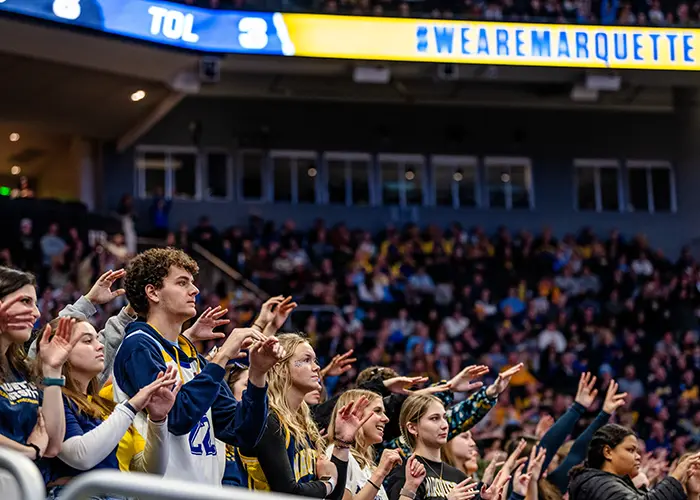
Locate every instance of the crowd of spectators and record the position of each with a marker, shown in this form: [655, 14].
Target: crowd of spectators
[622, 12]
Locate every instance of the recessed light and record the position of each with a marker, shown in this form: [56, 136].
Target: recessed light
[15, 170]
[312, 172]
[14, 137]
[138, 95]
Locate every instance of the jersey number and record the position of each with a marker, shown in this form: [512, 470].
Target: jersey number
[67, 9]
[200, 439]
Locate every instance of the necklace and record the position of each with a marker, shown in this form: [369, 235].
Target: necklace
[442, 465]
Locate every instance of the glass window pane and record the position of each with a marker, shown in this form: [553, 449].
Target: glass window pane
[443, 178]
[413, 183]
[184, 166]
[306, 181]
[390, 183]
[153, 165]
[467, 187]
[496, 180]
[520, 186]
[217, 178]
[251, 174]
[585, 188]
[661, 189]
[639, 195]
[336, 182]
[609, 192]
[282, 179]
[359, 177]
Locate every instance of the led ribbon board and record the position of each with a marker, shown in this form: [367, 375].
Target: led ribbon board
[376, 38]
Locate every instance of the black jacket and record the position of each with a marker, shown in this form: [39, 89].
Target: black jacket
[594, 484]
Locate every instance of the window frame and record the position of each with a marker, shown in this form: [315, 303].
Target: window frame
[264, 172]
[650, 165]
[169, 187]
[205, 175]
[597, 164]
[347, 157]
[294, 155]
[509, 161]
[453, 162]
[402, 160]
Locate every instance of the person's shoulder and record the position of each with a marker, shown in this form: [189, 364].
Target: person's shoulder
[453, 473]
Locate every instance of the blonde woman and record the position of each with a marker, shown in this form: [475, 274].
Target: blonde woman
[365, 477]
[462, 453]
[292, 433]
[425, 428]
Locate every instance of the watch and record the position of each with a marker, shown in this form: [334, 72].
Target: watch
[49, 381]
[330, 480]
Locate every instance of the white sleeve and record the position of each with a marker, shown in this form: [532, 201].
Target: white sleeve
[86, 451]
[157, 448]
[353, 477]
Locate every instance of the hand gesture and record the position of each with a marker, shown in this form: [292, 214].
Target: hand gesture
[465, 490]
[432, 389]
[281, 313]
[101, 292]
[502, 381]
[39, 436]
[415, 473]
[267, 315]
[203, 328]
[55, 349]
[340, 364]
[462, 382]
[521, 482]
[163, 399]
[514, 460]
[613, 400]
[400, 385]
[20, 318]
[264, 355]
[586, 390]
[325, 468]
[350, 418]
[543, 425]
[683, 470]
[238, 339]
[163, 379]
[537, 456]
[389, 460]
[492, 490]
[490, 471]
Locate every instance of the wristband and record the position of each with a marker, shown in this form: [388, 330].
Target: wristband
[130, 408]
[408, 494]
[36, 449]
[258, 327]
[344, 444]
[330, 481]
[370, 482]
[54, 382]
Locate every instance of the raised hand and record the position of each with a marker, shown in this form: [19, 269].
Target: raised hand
[613, 400]
[238, 339]
[546, 421]
[586, 390]
[20, 318]
[55, 349]
[39, 436]
[432, 389]
[514, 460]
[163, 399]
[389, 460]
[465, 490]
[686, 467]
[284, 307]
[521, 482]
[492, 490]
[415, 473]
[490, 471]
[462, 382]
[502, 381]
[401, 385]
[350, 418]
[203, 328]
[101, 292]
[143, 398]
[340, 364]
[263, 356]
[537, 456]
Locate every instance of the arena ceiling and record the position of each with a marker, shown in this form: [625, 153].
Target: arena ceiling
[80, 83]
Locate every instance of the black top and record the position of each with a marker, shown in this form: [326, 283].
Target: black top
[434, 486]
[595, 484]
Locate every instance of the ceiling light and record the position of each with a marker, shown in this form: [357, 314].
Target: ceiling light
[14, 137]
[138, 95]
[458, 176]
[505, 178]
[312, 172]
[410, 175]
[15, 170]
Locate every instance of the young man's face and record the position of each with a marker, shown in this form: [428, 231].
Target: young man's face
[177, 296]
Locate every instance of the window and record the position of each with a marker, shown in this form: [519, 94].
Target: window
[650, 187]
[454, 181]
[509, 183]
[250, 174]
[348, 178]
[402, 179]
[294, 176]
[597, 185]
[218, 179]
[167, 171]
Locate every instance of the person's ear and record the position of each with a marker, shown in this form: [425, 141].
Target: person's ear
[607, 452]
[411, 428]
[152, 294]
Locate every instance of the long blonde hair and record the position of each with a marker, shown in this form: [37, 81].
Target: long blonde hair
[299, 423]
[412, 410]
[363, 452]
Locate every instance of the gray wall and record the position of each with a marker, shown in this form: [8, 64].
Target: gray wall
[550, 138]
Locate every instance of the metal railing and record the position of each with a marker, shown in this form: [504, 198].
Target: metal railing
[23, 470]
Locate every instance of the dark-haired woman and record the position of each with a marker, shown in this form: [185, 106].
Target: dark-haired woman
[613, 459]
[21, 428]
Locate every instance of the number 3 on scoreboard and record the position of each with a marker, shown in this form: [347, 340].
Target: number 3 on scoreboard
[253, 33]
[67, 9]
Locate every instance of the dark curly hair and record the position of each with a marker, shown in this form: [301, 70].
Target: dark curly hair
[150, 268]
